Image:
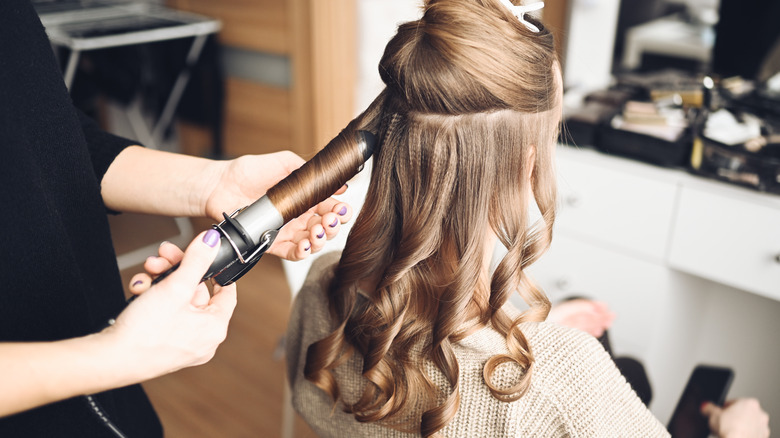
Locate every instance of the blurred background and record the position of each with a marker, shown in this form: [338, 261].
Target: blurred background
[669, 168]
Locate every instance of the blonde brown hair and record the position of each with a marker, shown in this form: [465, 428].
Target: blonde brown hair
[469, 117]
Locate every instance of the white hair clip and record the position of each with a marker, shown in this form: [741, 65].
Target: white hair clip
[521, 10]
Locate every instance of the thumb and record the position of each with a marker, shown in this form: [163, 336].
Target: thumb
[197, 258]
[712, 412]
[708, 409]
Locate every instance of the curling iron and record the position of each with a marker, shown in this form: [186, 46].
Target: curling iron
[247, 233]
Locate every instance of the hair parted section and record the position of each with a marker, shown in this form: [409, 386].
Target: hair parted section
[466, 125]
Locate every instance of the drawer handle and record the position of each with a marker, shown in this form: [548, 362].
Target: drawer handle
[563, 284]
[573, 200]
[777, 258]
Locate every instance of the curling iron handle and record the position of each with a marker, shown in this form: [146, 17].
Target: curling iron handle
[224, 258]
[165, 274]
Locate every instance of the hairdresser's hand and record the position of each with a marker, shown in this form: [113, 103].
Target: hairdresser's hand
[242, 181]
[592, 317]
[168, 255]
[740, 418]
[176, 323]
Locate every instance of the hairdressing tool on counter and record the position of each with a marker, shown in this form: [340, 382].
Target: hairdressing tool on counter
[247, 233]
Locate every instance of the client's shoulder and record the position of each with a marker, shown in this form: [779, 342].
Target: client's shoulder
[320, 274]
[311, 301]
[557, 348]
[324, 265]
[555, 335]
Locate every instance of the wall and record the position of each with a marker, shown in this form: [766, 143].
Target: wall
[589, 43]
[377, 23]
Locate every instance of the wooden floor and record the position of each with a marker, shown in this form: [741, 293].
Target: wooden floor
[240, 392]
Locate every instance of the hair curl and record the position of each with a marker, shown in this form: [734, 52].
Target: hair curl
[468, 118]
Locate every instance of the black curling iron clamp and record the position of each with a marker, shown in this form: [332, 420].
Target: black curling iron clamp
[247, 233]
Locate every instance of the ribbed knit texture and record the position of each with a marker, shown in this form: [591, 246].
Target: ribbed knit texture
[576, 390]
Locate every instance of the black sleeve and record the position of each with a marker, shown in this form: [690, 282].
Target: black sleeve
[103, 146]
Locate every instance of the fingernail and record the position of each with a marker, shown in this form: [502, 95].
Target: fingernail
[138, 283]
[211, 238]
[321, 235]
[343, 211]
[307, 247]
[163, 242]
[335, 222]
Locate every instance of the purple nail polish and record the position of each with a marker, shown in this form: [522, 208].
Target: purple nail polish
[335, 222]
[211, 238]
[307, 248]
[321, 235]
[343, 211]
[137, 283]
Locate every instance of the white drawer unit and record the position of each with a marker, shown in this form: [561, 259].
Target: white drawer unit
[617, 207]
[728, 240]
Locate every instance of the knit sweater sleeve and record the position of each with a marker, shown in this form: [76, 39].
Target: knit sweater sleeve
[592, 396]
[103, 146]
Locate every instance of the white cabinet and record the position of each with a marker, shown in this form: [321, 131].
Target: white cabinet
[609, 206]
[701, 227]
[729, 240]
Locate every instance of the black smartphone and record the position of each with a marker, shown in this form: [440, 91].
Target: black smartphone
[706, 384]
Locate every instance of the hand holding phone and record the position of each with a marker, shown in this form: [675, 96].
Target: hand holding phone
[706, 384]
[742, 418]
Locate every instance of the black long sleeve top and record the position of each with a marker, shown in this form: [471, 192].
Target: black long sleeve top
[57, 263]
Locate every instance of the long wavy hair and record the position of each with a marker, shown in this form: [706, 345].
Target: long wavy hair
[467, 125]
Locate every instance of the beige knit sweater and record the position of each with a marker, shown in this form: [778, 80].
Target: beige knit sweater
[576, 390]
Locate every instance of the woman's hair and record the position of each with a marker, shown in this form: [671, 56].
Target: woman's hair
[467, 121]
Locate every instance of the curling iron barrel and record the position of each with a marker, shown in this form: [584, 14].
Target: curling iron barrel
[247, 233]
